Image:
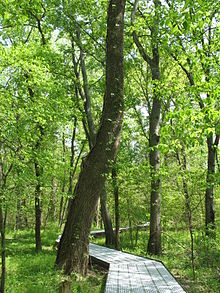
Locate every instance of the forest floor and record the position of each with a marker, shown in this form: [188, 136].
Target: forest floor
[177, 257]
[29, 272]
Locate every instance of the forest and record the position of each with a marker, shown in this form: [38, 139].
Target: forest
[109, 118]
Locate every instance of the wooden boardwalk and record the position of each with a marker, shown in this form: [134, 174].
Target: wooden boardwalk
[101, 233]
[129, 273]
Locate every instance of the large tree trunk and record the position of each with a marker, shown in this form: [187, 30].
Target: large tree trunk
[73, 252]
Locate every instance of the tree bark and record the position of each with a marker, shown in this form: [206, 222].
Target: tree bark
[73, 252]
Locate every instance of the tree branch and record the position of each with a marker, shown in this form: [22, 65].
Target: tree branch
[216, 140]
[141, 50]
[134, 10]
[39, 25]
[188, 74]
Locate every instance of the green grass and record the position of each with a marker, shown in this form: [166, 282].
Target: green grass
[29, 272]
[176, 257]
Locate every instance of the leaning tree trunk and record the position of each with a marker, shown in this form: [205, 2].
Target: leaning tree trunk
[73, 252]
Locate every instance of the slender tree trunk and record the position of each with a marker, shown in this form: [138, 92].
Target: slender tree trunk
[106, 217]
[97, 214]
[209, 195]
[38, 167]
[117, 221]
[38, 211]
[21, 217]
[64, 179]
[154, 243]
[109, 233]
[188, 208]
[72, 169]
[87, 102]
[72, 158]
[73, 252]
[3, 216]
[70, 191]
[38, 174]
[2, 228]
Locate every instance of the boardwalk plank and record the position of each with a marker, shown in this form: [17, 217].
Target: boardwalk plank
[129, 273]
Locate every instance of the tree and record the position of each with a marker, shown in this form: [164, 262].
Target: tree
[91, 134]
[72, 253]
[154, 243]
